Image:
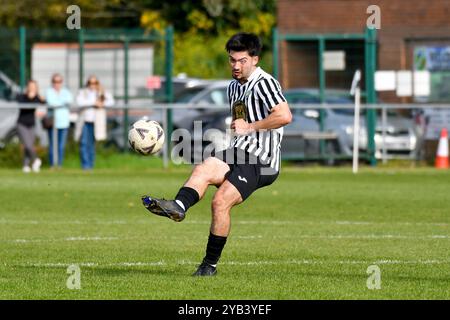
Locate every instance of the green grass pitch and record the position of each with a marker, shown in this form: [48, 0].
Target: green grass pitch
[311, 235]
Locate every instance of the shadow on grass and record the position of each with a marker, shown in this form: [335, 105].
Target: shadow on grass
[105, 271]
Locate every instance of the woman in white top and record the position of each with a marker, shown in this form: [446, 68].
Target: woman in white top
[91, 124]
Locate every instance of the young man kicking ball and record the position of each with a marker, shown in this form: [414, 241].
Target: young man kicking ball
[259, 112]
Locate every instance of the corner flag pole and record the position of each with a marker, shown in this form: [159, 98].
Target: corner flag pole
[356, 91]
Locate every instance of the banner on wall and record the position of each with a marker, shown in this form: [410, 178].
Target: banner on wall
[436, 60]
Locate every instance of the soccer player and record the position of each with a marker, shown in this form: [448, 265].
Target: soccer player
[252, 161]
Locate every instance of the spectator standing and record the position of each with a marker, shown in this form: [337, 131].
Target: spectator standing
[26, 127]
[59, 99]
[91, 124]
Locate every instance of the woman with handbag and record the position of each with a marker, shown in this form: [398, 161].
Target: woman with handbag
[91, 124]
[26, 127]
[59, 100]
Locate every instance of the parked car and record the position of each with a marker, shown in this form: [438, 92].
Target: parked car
[198, 93]
[8, 119]
[8, 110]
[9, 113]
[202, 99]
[400, 133]
[180, 85]
[8, 88]
[302, 136]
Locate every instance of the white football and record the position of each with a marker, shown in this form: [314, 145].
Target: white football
[146, 137]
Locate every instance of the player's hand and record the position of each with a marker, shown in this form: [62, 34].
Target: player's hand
[241, 127]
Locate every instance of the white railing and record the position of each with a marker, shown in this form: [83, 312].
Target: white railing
[164, 107]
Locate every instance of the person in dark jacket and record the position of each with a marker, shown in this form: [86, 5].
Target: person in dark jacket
[25, 126]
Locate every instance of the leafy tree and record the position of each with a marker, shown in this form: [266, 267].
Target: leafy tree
[202, 27]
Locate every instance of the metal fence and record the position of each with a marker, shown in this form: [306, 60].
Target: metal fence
[39, 53]
[396, 136]
[299, 60]
[322, 138]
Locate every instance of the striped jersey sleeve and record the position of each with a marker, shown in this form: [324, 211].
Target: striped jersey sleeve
[269, 92]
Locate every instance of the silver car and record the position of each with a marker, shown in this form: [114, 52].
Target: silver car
[199, 93]
[302, 136]
[8, 109]
[400, 137]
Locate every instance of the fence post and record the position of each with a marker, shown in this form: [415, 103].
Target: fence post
[165, 151]
[321, 93]
[169, 85]
[55, 142]
[125, 87]
[23, 43]
[383, 134]
[80, 57]
[370, 63]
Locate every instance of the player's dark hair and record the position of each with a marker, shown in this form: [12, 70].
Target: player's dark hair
[244, 42]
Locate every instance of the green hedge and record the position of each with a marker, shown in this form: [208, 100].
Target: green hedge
[106, 157]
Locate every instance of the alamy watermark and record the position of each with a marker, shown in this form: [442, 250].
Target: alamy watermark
[374, 20]
[74, 20]
[374, 279]
[74, 280]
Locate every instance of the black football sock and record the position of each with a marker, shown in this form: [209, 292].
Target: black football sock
[188, 197]
[214, 248]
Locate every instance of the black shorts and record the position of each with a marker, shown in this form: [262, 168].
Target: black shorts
[247, 173]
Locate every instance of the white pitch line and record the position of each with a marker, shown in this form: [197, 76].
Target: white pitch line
[237, 263]
[138, 264]
[365, 236]
[63, 239]
[301, 262]
[91, 238]
[93, 264]
[243, 222]
[405, 223]
[68, 222]
[248, 237]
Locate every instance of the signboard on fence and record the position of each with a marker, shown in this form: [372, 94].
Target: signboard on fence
[436, 120]
[436, 60]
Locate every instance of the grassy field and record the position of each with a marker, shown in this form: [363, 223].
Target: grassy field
[311, 235]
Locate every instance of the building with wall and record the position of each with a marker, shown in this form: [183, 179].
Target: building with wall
[414, 35]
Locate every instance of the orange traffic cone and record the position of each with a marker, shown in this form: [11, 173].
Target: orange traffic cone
[442, 151]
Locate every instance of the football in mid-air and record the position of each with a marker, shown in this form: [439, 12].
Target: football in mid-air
[146, 137]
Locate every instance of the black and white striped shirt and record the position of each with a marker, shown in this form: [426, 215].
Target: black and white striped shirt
[260, 94]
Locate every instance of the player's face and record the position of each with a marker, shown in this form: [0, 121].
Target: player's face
[242, 64]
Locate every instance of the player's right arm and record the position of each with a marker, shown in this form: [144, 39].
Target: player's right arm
[280, 115]
[269, 93]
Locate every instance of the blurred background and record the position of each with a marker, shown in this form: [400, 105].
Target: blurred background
[150, 54]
